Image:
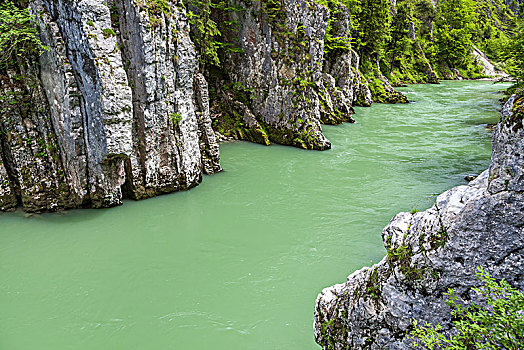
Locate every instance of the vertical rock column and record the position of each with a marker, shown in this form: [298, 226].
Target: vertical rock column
[341, 71]
[92, 49]
[161, 63]
[59, 83]
[31, 171]
[79, 128]
[208, 142]
[8, 199]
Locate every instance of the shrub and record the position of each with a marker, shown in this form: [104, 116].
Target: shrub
[497, 322]
[18, 35]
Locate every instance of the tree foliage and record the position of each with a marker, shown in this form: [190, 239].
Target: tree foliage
[496, 323]
[400, 40]
[211, 29]
[495, 25]
[205, 32]
[455, 27]
[373, 20]
[335, 41]
[514, 54]
[18, 35]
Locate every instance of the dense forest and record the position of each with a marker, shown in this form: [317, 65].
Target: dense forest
[406, 41]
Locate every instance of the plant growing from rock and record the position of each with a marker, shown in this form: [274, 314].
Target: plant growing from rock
[495, 323]
[18, 35]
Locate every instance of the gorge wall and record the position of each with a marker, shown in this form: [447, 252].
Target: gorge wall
[115, 108]
[479, 224]
[118, 106]
[281, 86]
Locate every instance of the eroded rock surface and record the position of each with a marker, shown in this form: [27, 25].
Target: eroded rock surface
[481, 224]
[109, 111]
[120, 106]
[280, 87]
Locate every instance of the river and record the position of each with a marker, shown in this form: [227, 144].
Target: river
[237, 262]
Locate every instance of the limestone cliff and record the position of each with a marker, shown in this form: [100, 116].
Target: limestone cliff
[279, 86]
[480, 224]
[120, 106]
[112, 109]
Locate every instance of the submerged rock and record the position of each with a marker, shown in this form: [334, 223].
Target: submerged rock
[479, 224]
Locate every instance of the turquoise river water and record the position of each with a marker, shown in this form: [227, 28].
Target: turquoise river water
[237, 262]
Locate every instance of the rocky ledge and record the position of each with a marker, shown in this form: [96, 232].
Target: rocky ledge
[479, 224]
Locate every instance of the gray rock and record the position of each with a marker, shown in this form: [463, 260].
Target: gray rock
[488, 67]
[109, 111]
[288, 84]
[278, 72]
[429, 252]
[166, 155]
[207, 137]
[8, 200]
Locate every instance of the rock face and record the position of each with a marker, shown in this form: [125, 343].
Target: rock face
[112, 109]
[120, 106]
[480, 224]
[488, 67]
[341, 69]
[280, 87]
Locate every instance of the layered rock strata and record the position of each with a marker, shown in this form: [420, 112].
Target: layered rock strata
[480, 224]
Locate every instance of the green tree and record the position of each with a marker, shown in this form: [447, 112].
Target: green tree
[335, 42]
[514, 53]
[373, 27]
[495, 25]
[400, 40]
[204, 31]
[18, 35]
[455, 27]
[212, 30]
[497, 323]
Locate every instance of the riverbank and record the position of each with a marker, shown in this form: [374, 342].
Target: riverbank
[428, 252]
[244, 254]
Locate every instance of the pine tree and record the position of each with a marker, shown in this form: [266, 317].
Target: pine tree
[400, 40]
[18, 35]
[374, 21]
[204, 31]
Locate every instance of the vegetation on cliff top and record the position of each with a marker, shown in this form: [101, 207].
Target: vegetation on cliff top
[414, 41]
